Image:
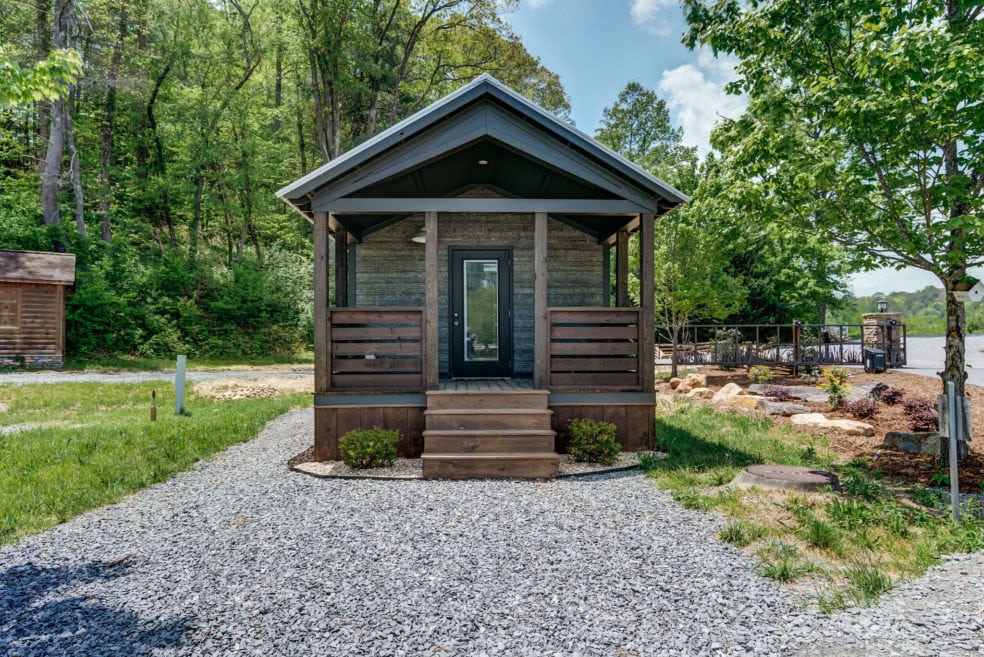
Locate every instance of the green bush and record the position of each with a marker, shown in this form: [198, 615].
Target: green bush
[368, 448]
[759, 373]
[593, 441]
[836, 386]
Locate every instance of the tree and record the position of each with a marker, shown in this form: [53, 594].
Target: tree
[48, 79]
[691, 258]
[864, 125]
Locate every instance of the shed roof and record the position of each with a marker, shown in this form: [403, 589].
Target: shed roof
[37, 267]
[524, 151]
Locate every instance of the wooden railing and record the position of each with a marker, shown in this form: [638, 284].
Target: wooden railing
[376, 349]
[594, 349]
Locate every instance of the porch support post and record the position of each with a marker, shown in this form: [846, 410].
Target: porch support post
[606, 275]
[431, 346]
[622, 268]
[647, 290]
[322, 375]
[341, 267]
[540, 327]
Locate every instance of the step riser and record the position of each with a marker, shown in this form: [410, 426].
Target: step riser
[484, 421]
[485, 400]
[451, 468]
[487, 444]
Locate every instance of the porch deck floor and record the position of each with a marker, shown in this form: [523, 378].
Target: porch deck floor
[486, 385]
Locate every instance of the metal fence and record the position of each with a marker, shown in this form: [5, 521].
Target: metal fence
[789, 345]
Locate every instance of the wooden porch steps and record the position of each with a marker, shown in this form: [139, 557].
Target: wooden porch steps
[488, 434]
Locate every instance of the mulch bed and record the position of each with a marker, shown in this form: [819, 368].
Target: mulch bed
[892, 463]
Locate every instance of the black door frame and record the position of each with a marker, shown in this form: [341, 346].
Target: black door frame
[457, 365]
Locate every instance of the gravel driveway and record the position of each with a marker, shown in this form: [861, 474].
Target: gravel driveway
[243, 557]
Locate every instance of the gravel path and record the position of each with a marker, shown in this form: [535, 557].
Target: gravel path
[243, 557]
[36, 377]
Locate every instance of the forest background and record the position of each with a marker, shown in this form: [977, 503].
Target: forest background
[159, 167]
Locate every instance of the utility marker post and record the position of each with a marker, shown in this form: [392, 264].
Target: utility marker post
[954, 412]
[179, 385]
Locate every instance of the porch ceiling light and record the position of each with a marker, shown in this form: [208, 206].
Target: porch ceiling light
[420, 237]
[483, 162]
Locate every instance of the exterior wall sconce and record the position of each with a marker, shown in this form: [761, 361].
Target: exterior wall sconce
[420, 237]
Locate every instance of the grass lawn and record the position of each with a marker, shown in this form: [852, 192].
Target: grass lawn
[96, 444]
[136, 364]
[846, 547]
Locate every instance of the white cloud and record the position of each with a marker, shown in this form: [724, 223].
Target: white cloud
[695, 95]
[650, 15]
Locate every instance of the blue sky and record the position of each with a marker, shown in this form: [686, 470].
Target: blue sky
[598, 46]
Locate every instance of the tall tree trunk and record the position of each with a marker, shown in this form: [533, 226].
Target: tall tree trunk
[42, 39]
[74, 166]
[109, 111]
[55, 153]
[278, 88]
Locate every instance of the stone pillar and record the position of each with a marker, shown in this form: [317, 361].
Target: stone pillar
[883, 331]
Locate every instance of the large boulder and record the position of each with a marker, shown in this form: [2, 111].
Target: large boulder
[914, 443]
[820, 421]
[700, 393]
[728, 391]
[675, 383]
[691, 382]
[781, 408]
[749, 402]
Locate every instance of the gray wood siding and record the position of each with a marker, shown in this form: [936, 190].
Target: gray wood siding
[390, 269]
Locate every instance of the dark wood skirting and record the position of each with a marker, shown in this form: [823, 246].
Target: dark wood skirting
[634, 423]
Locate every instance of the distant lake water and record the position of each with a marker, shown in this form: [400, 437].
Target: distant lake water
[925, 356]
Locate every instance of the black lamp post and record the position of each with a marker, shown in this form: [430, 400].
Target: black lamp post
[882, 305]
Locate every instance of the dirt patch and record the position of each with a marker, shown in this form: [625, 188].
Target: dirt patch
[894, 464]
[253, 388]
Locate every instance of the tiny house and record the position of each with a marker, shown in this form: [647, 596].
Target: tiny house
[473, 306]
[33, 288]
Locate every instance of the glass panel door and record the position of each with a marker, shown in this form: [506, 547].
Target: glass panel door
[481, 317]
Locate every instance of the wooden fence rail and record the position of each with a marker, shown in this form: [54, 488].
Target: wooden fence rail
[594, 349]
[376, 349]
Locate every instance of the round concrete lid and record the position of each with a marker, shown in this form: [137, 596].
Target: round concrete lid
[786, 477]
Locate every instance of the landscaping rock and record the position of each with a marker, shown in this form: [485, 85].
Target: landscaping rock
[820, 421]
[675, 383]
[701, 393]
[749, 402]
[914, 443]
[815, 394]
[781, 408]
[728, 391]
[690, 382]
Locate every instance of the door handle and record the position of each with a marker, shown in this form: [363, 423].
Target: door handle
[455, 323]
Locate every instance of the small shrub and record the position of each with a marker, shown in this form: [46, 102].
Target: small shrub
[368, 448]
[861, 409]
[778, 393]
[836, 386]
[593, 441]
[892, 396]
[760, 374]
[811, 375]
[922, 414]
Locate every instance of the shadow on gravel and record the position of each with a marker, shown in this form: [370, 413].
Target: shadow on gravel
[46, 610]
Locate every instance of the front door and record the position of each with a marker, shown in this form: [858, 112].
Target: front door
[481, 312]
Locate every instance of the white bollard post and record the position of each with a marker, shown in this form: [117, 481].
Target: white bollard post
[179, 385]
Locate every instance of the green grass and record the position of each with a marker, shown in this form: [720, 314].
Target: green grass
[854, 545]
[96, 444]
[136, 364]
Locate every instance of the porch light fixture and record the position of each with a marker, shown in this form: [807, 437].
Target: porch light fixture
[483, 162]
[420, 237]
[882, 305]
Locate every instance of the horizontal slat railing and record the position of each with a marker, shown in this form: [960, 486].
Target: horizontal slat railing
[376, 349]
[593, 349]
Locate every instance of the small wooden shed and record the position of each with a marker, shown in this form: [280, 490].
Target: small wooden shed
[473, 307]
[33, 287]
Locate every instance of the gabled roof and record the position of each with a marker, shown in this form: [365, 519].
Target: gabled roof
[484, 114]
[37, 267]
